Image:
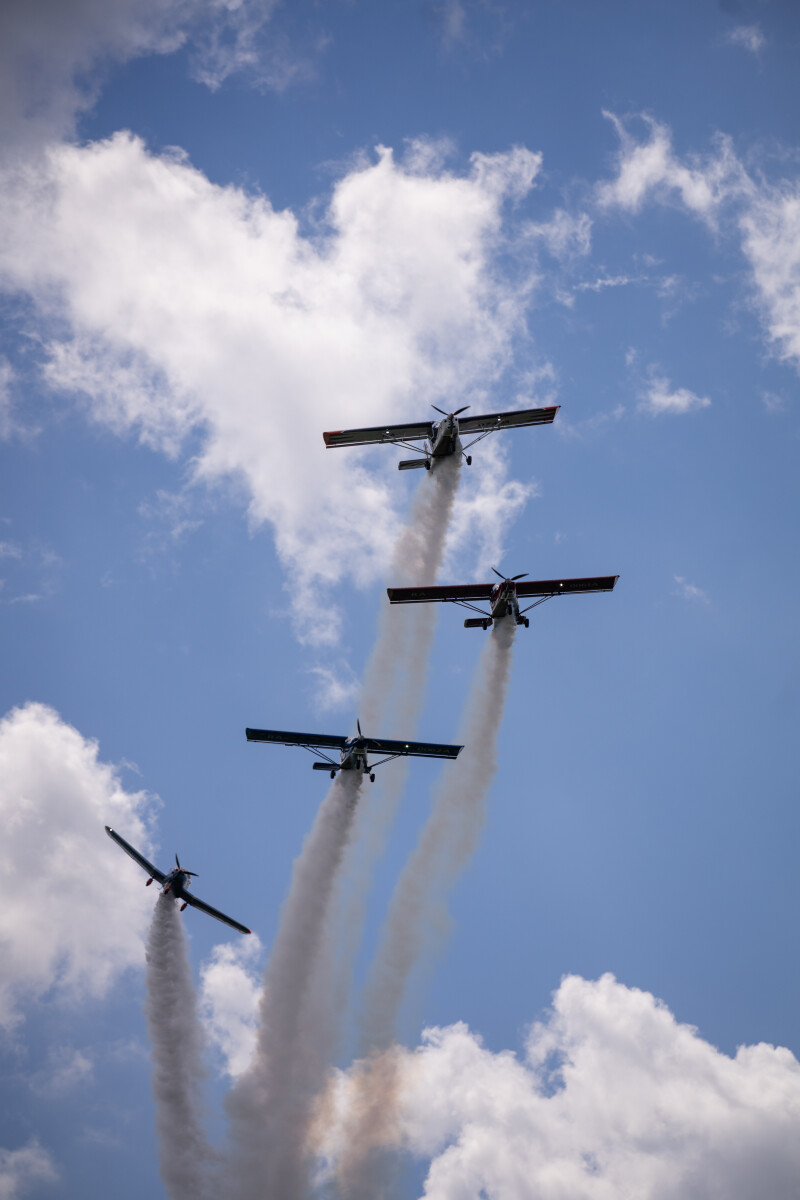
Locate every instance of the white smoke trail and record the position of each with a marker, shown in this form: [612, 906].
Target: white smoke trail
[393, 684]
[270, 1105]
[185, 1155]
[446, 844]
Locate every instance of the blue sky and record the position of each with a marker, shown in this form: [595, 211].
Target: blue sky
[227, 228]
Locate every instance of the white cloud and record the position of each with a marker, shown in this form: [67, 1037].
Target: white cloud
[197, 309]
[749, 37]
[565, 235]
[334, 687]
[773, 403]
[690, 591]
[650, 169]
[72, 908]
[229, 997]
[21, 1168]
[54, 53]
[67, 1069]
[660, 397]
[613, 1098]
[771, 241]
[609, 281]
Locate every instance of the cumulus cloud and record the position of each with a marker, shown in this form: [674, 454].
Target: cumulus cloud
[22, 1168]
[749, 37]
[230, 990]
[771, 240]
[650, 169]
[765, 215]
[54, 53]
[72, 911]
[199, 310]
[660, 397]
[612, 1097]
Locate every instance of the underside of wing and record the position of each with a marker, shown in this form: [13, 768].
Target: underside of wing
[415, 749]
[420, 595]
[144, 863]
[214, 912]
[508, 420]
[564, 587]
[282, 738]
[378, 434]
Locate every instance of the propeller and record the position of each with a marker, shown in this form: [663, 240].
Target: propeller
[358, 723]
[513, 579]
[452, 414]
[180, 868]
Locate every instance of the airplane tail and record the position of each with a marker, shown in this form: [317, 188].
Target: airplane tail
[409, 464]
[477, 622]
[324, 767]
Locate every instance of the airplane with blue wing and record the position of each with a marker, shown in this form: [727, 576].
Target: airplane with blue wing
[174, 883]
[440, 438]
[353, 751]
[503, 597]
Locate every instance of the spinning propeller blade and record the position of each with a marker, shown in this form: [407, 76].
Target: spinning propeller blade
[358, 723]
[513, 578]
[452, 414]
[180, 868]
[460, 410]
[441, 410]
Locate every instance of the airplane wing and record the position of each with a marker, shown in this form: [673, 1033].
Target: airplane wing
[195, 902]
[136, 856]
[278, 736]
[508, 420]
[563, 587]
[378, 434]
[415, 749]
[459, 591]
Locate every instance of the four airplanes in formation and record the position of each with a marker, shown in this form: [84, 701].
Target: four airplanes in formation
[441, 439]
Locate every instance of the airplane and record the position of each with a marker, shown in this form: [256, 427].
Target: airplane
[441, 438]
[352, 750]
[173, 883]
[503, 597]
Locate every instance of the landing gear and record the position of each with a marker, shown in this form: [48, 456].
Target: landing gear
[183, 906]
[372, 778]
[333, 774]
[526, 622]
[427, 464]
[469, 460]
[487, 624]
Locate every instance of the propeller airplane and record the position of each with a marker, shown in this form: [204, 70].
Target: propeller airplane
[503, 597]
[174, 882]
[353, 751]
[440, 438]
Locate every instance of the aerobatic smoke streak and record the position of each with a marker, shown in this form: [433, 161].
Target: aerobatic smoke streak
[447, 842]
[416, 558]
[270, 1105]
[185, 1155]
[394, 679]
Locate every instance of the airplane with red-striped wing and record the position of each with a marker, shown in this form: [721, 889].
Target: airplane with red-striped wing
[440, 438]
[503, 598]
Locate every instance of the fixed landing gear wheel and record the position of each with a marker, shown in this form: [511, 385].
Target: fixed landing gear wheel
[469, 460]
[427, 465]
[527, 622]
[372, 778]
[486, 624]
[333, 774]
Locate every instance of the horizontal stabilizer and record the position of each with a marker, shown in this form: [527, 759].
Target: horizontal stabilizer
[282, 738]
[324, 767]
[409, 464]
[477, 623]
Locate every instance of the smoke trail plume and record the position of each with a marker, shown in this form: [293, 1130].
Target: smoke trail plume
[446, 844]
[393, 685]
[184, 1153]
[270, 1105]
